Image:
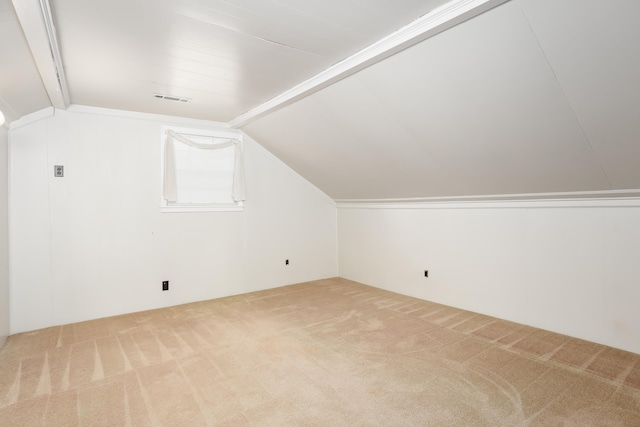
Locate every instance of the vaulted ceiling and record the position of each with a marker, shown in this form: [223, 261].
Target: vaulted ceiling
[529, 97]
[534, 96]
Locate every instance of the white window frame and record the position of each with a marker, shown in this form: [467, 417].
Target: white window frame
[213, 133]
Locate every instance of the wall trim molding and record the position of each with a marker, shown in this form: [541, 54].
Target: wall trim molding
[578, 199]
[428, 25]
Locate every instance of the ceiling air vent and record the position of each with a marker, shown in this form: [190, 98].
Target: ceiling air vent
[171, 98]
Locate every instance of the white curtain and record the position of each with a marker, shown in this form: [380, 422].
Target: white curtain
[170, 187]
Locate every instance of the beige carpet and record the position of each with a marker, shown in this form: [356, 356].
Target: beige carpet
[325, 353]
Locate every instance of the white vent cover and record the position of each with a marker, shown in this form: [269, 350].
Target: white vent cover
[171, 98]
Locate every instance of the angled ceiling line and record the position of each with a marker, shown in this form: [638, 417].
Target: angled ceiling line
[430, 24]
[37, 25]
[566, 97]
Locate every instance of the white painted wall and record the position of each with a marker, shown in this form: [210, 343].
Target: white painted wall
[570, 267]
[94, 243]
[4, 238]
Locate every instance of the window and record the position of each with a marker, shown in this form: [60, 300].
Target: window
[202, 170]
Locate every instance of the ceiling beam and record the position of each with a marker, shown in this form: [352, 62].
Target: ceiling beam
[37, 24]
[434, 22]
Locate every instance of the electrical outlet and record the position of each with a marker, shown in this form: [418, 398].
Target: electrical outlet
[165, 285]
[286, 262]
[58, 171]
[426, 273]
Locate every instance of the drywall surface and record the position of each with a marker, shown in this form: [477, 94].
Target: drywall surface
[569, 267]
[4, 238]
[94, 243]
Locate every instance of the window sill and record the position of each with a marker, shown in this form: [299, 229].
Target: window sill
[183, 209]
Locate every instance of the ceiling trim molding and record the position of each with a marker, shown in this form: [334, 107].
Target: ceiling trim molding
[37, 25]
[136, 115]
[124, 114]
[434, 22]
[34, 117]
[579, 199]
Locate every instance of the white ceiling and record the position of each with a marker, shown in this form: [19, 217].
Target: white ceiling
[533, 96]
[226, 56]
[21, 90]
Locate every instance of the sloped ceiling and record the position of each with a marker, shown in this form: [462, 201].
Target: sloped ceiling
[534, 96]
[21, 90]
[225, 56]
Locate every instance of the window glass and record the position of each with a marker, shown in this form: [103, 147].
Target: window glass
[204, 178]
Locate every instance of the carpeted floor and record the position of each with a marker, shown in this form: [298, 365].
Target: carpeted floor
[325, 353]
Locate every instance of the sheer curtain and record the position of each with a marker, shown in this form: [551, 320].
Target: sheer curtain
[170, 188]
